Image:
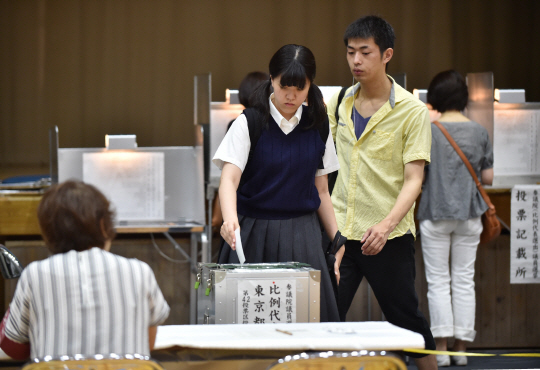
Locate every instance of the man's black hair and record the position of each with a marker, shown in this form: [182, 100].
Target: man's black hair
[448, 91]
[371, 26]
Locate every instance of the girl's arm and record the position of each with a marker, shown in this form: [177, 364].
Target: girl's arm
[230, 179]
[326, 210]
[328, 217]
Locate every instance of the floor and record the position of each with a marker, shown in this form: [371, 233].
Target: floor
[496, 362]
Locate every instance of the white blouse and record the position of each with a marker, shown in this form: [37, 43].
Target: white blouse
[236, 144]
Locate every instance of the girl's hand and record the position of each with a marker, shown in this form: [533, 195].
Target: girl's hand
[227, 232]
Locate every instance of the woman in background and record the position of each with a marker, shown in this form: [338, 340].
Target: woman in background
[450, 213]
[249, 84]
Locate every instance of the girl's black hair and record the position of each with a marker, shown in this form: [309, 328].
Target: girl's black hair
[293, 63]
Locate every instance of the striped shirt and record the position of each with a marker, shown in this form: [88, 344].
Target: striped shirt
[89, 302]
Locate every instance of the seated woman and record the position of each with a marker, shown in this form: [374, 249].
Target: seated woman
[83, 299]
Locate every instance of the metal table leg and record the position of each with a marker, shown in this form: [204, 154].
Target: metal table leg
[210, 196]
[193, 270]
[206, 249]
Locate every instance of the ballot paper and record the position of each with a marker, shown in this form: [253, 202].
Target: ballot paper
[239, 249]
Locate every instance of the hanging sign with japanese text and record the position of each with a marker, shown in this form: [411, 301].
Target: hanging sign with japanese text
[266, 301]
[525, 217]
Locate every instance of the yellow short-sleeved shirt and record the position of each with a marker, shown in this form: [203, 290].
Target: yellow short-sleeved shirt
[372, 168]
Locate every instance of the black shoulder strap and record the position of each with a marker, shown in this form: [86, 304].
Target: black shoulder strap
[339, 99]
[254, 128]
[324, 131]
[332, 177]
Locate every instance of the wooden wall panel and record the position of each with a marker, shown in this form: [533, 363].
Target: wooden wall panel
[127, 66]
[498, 36]
[496, 258]
[62, 91]
[21, 88]
[485, 281]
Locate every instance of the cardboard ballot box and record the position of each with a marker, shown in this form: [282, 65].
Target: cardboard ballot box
[261, 293]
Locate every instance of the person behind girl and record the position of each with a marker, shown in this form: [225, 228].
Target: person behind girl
[276, 195]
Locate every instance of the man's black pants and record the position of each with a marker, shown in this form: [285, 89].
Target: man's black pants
[391, 275]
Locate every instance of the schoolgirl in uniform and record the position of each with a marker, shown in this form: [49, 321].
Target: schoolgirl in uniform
[274, 191]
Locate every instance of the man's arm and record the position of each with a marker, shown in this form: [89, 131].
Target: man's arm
[376, 236]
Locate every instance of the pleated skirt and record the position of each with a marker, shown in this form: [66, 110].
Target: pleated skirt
[297, 239]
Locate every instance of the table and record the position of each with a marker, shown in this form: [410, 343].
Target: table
[254, 346]
[18, 215]
[334, 336]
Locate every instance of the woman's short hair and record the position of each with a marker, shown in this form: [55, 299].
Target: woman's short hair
[75, 216]
[249, 84]
[448, 91]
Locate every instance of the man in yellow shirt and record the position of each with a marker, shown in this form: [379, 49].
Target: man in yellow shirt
[383, 140]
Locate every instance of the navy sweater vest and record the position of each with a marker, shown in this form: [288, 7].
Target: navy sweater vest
[279, 179]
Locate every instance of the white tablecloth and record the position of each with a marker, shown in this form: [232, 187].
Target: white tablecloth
[343, 336]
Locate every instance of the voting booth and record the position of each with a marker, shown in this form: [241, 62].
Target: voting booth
[513, 126]
[151, 189]
[516, 144]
